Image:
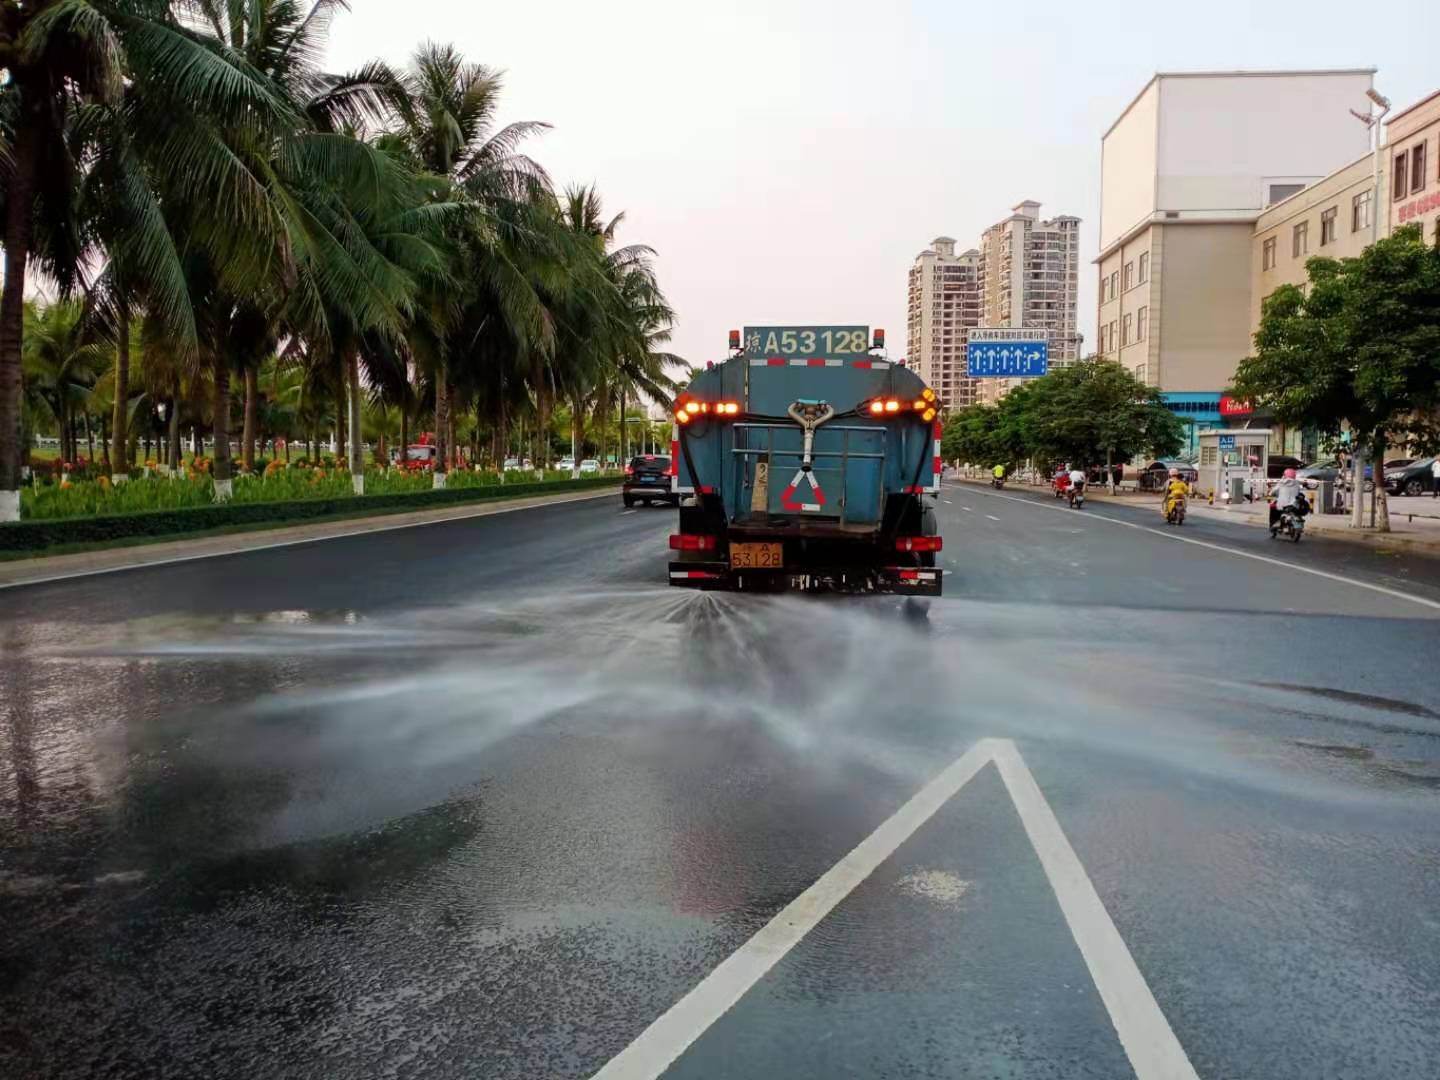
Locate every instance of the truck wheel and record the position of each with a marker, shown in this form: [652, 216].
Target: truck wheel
[928, 527]
[917, 607]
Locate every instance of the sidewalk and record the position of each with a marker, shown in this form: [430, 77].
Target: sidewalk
[1414, 521]
[42, 567]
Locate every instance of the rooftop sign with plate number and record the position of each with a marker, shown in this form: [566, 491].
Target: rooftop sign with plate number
[1006, 353]
[808, 342]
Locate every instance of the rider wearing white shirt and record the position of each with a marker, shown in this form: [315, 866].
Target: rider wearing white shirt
[1077, 479]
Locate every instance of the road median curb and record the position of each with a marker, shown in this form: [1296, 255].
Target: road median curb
[39, 567]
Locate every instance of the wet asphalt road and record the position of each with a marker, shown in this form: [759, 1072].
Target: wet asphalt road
[485, 798]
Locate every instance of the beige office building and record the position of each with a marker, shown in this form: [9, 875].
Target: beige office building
[1186, 171]
[1335, 215]
[1029, 276]
[943, 304]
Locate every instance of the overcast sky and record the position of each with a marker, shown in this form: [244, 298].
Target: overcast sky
[788, 159]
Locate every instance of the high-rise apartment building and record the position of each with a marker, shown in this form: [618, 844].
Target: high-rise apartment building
[943, 304]
[1029, 276]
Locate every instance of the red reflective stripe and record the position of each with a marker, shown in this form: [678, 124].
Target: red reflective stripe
[702, 573]
[815, 361]
[863, 364]
[706, 489]
[937, 466]
[776, 361]
[937, 429]
[674, 457]
[909, 575]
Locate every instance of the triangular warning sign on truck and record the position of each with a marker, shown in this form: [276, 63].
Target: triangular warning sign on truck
[789, 499]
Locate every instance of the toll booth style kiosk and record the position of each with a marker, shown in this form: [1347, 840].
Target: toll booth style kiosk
[1233, 462]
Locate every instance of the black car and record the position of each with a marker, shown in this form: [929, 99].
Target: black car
[647, 480]
[1416, 478]
[1154, 475]
[1277, 464]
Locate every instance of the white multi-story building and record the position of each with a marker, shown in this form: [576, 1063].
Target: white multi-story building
[1186, 171]
[1029, 276]
[943, 304]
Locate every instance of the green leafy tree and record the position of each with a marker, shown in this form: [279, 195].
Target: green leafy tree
[1357, 347]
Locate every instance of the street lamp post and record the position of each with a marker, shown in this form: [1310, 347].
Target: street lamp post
[1372, 121]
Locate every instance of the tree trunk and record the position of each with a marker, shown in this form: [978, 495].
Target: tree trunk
[450, 430]
[577, 434]
[342, 423]
[20, 198]
[252, 413]
[220, 427]
[1109, 470]
[357, 446]
[119, 433]
[404, 433]
[442, 424]
[105, 447]
[89, 440]
[502, 437]
[1382, 504]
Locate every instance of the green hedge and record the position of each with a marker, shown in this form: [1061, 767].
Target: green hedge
[42, 534]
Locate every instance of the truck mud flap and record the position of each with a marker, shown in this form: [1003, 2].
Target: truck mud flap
[910, 580]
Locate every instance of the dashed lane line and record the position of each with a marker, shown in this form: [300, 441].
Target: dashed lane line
[1171, 535]
[1154, 1051]
[992, 517]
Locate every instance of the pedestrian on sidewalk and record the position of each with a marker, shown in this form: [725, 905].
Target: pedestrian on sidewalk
[1435, 478]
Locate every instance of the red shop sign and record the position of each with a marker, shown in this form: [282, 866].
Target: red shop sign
[1230, 406]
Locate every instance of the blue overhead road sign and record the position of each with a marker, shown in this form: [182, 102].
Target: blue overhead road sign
[1006, 359]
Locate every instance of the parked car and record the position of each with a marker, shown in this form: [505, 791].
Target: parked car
[647, 479]
[1330, 470]
[1277, 464]
[1398, 463]
[1154, 475]
[589, 465]
[1414, 478]
[566, 464]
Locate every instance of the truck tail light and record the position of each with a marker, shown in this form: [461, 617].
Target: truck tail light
[727, 408]
[919, 543]
[691, 542]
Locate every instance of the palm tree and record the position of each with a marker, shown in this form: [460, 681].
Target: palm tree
[61, 55]
[62, 363]
[449, 129]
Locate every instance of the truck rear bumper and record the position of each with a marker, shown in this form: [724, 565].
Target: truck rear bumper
[902, 580]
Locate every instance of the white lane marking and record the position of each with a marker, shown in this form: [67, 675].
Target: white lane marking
[1171, 535]
[1149, 1042]
[1154, 1051]
[292, 543]
[992, 517]
[967, 509]
[624, 512]
[947, 502]
[667, 1038]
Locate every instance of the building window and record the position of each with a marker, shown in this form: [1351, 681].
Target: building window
[1400, 187]
[1361, 207]
[1113, 337]
[1129, 276]
[1417, 168]
[1114, 283]
[1140, 372]
[1327, 225]
[1126, 327]
[1300, 240]
[1144, 267]
[1267, 254]
[1283, 191]
[1142, 319]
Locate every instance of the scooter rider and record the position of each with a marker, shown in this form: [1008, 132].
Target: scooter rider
[1077, 480]
[1176, 491]
[999, 472]
[1287, 497]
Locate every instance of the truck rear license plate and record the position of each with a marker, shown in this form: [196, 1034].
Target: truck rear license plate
[757, 556]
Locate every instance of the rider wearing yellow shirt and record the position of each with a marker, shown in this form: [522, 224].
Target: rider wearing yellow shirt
[1176, 490]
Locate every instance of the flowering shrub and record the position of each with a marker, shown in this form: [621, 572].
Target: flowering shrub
[78, 497]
